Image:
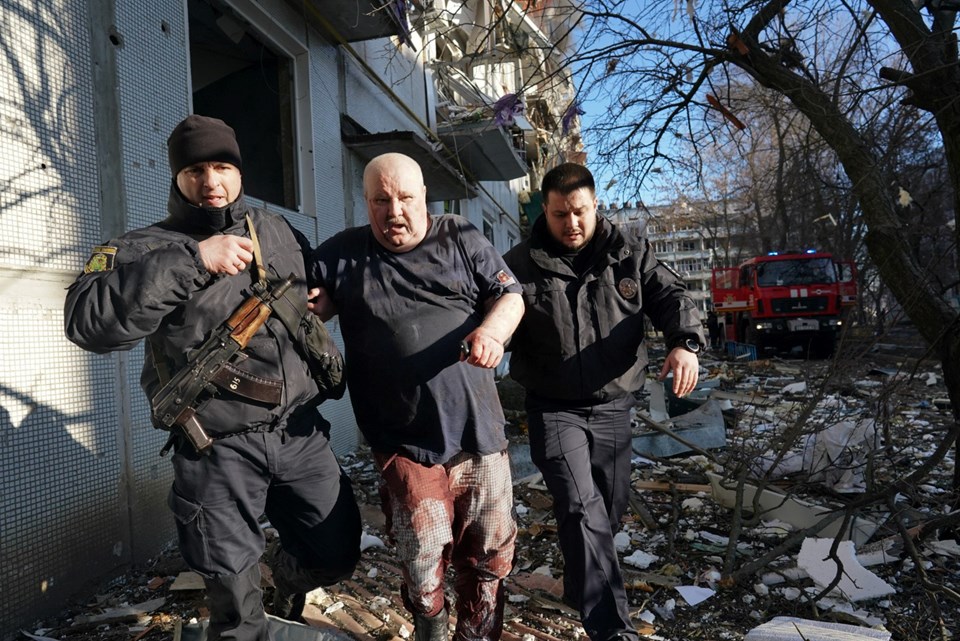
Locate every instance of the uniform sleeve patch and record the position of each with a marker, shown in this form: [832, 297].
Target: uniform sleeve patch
[101, 259]
[504, 278]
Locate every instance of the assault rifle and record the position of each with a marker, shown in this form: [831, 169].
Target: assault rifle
[173, 404]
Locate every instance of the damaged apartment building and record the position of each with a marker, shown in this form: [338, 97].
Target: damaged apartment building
[474, 90]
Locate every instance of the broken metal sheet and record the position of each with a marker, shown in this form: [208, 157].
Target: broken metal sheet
[280, 630]
[796, 629]
[856, 582]
[703, 428]
[752, 398]
[800, 514]
[124, 612]
[36, 637]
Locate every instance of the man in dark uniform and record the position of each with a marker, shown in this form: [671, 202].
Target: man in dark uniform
[713, 328]
[409, 290]
[579, 352]
[174, 283]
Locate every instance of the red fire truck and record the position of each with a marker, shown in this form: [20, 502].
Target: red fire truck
[786, 299]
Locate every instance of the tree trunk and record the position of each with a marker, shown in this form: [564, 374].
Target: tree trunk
[921, 299]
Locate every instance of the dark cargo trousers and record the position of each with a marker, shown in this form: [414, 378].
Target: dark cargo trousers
[584, 454]
[293, 477]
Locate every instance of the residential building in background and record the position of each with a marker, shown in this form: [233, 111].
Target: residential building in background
[475, 91]
[685, 237]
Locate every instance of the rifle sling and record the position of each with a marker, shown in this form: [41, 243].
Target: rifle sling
[288, 309]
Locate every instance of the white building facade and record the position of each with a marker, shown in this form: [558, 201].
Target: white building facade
[90, 91]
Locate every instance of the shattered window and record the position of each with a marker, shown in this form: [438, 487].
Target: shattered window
[241, 77]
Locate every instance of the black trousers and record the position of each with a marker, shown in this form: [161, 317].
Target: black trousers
[293, 477]
[584, 454]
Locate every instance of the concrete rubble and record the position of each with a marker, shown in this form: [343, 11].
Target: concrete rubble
[781, 445]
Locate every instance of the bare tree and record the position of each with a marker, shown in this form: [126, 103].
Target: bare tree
[669, 72]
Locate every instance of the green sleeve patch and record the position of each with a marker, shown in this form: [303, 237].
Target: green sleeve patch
[101, 260]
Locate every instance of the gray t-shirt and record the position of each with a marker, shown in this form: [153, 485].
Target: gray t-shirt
[403, 316]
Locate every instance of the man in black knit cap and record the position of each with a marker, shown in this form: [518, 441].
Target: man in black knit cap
[174, 283]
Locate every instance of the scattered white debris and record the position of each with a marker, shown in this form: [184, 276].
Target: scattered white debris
[521, 509]
[518, 598]
[693, 504]
[370, 541]
[930, 379]
[372, 574]
[333, 607]
[710, 576]
[948, 547]
[694, 594]
[317, 597]
[648, 617]
[545, 570]
[845, 607]
[714, 538]
[795, 388]
[856, 582]
[790, 594]
[665, 611]
[774, 527]
[622, 541]
[641, 559]
[838, 455]
[761, 589]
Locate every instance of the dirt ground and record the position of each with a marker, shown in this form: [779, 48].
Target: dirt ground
[676, 533]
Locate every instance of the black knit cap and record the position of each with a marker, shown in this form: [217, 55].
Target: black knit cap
[202, 139]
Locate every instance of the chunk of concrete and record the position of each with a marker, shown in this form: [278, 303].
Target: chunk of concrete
[856, 582]
[796, 629]
[800, 514]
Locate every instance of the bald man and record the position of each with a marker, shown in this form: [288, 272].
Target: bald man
[410, 290]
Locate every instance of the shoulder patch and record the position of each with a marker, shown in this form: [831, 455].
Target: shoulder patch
[101, 259]
[504, 278]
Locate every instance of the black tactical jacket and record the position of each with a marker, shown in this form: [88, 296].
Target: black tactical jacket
[581, 338]
[159, 287]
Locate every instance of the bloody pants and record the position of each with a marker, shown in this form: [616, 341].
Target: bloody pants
[584, 454]
[460, 514]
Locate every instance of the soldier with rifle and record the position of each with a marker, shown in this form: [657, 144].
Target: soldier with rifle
[235, 368]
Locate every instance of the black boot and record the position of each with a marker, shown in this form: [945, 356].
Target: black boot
[285, 604]
[289, 606]
[430, 628]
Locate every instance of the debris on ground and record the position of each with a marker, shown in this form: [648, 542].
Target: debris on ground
[739, 529]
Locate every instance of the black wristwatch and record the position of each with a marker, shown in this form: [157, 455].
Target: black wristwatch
[689, 344]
